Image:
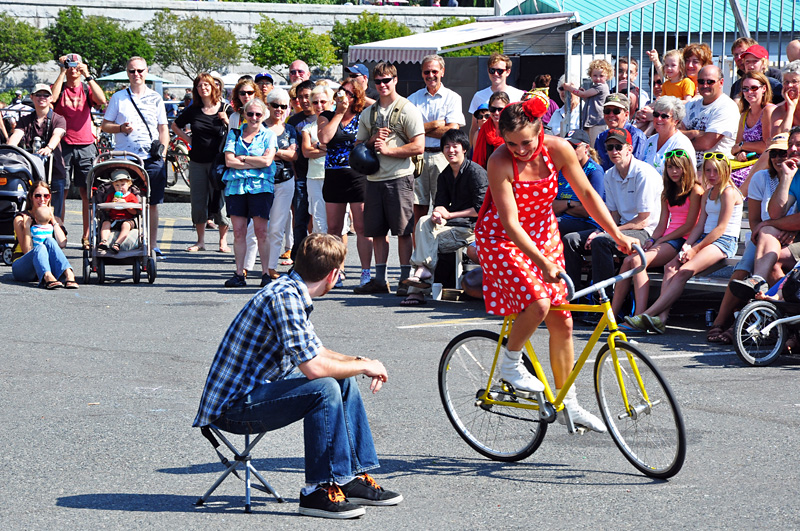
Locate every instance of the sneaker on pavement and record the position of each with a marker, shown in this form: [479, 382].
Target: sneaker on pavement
[373, 286]
[581, 417]
[236, 281]
[515, 373]
[328, 501]
[365, 491]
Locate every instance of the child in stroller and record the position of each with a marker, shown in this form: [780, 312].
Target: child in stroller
[123, 220]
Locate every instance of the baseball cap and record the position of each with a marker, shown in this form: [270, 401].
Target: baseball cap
[42, 87]
[216, 75]
[617, 99]
[359, 69]
[118, 175]
[263, 76]
[620, 135]
[481, 107]
[759, 51]
[73, 59]
[779, 141]
[577, 137]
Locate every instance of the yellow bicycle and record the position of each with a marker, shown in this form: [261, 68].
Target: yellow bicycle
[504, 424]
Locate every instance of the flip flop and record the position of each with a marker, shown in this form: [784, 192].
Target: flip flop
[85, 245]
[417, 282]
[193, 249]
[415, 299]
[53, 284]
[286, 262]
[714, 334]
[71, 284]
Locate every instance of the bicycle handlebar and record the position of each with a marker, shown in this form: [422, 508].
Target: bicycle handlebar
[571, 295]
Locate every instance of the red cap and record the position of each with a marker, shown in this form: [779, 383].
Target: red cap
[620, 135]
[759, 51]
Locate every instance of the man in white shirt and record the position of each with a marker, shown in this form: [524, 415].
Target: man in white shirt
[712, 121]
[441, 111]
[499, 70]
[137, 117]
[633, 196]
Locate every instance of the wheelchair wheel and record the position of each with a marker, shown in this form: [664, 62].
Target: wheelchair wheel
[501, 433]
[651, 435]
[752, 346]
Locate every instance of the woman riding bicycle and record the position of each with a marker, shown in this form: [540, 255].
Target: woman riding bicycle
[520, 247]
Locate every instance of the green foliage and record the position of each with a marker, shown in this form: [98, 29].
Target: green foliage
[277, 44]
[20, 44]
[193, 44]
[330, 2]
[368, 27]
[8, 96]
[103, 43]
[486, 49]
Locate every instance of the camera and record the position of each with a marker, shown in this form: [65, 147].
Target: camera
[70, 64]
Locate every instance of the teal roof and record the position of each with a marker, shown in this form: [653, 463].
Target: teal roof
[762, 15]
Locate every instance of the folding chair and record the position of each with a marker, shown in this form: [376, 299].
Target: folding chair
[238, 458]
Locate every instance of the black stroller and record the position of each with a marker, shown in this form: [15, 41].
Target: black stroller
[135, 250]
[18, 171]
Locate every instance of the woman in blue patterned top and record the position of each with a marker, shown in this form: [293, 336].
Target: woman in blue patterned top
[343, 185]
[249, 184]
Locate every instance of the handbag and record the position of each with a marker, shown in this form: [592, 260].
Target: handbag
[156, 152]
[218, 167]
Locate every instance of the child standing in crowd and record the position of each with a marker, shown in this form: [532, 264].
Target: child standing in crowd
[680, 207]
[124, 219]
[676, 83]
[716, 236]
[600, 71]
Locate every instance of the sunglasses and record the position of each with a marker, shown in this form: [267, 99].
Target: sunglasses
[352, 96]
[613, 147]
[41, 95]
[661, 115]
[751, 88]
[709, 155]
[383, 81]
[676, 153]
[778, 153]
[497, 71]
[254, 115]
[136, 71]
[702, 82]
[278, 106]
[493, 110]
[246, 92]
[612, 110]
[658, 82]
[41, 196]
[482, 116]
[430, 72]
[296, 72]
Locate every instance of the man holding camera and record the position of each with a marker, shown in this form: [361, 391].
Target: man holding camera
[74, 100]
[138, 119]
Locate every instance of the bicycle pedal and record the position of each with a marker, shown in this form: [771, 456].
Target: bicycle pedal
[580, 430]
[517, 392]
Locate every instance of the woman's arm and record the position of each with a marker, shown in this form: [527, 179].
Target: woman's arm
[311, 151]
[180, 133]
[663, 221]
[326, 129]
[289, 154]
[58, 233]
[22, 230]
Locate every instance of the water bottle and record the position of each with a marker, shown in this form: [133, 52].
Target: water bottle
[37, 144]
[710, 316]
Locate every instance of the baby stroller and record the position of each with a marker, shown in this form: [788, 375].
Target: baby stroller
[764, 327]
[135, 250]
[18, 171]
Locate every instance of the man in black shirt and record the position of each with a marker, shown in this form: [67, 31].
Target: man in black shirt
[451, 226]
[300, 203]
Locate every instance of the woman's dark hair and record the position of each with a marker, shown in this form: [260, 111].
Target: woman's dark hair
[236, 102]
[358, 92]
[37, 184]
[455, 136]
[499, 95]
[542, 81]
[674, 193]
[216, 93]
[513, 118]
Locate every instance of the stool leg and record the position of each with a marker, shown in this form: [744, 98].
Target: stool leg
[278, 497]
[247, 477]
[459, 268]
[217, 483]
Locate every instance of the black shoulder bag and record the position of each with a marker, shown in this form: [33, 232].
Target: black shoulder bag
[155, 144]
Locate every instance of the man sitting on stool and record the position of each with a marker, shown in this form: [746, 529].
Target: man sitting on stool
[271, 370]
[459, 195]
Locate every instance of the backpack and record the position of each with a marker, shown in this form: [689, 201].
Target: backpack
[394, 120]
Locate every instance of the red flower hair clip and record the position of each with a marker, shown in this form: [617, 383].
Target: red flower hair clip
[535, 107]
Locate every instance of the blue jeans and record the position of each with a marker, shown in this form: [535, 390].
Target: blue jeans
[338, 441]
[57, 188]
[301, 215]
[44, 258]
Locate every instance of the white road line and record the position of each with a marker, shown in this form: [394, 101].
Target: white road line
[453, 322]
[692, 355]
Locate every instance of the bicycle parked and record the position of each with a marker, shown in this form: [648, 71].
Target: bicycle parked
[505, 424]
[177, 157]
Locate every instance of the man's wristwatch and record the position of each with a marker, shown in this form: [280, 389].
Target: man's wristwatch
[88, 78]
[569, 204]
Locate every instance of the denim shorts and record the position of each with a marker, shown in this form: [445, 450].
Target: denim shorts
[677, 243]
[727, 244]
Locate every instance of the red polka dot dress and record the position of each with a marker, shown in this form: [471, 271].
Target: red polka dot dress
[511, 281]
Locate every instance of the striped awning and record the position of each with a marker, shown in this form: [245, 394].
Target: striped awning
[413, 48]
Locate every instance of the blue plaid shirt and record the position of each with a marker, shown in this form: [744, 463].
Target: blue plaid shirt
[269, 338]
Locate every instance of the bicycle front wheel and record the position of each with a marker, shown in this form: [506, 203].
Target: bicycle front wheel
[651, 434]
[181, 167]
[752, 346]
[501, 433]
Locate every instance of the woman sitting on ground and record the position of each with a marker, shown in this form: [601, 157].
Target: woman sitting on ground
[714, 238]
[680, 207]
[39, 256]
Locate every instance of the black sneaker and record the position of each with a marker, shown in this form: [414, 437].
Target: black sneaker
[265, 279]
[373, 286]
[365, 491]
[236, 281]
[328, 501]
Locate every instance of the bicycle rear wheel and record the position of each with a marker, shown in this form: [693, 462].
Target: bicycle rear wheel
[181, 167]
[652, 436]
[753, 347]
[501, 433]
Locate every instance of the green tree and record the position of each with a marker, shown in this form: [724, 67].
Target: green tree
[368, 27]
[20, 44]
[277, 44]
[485, 49]
[102, 42]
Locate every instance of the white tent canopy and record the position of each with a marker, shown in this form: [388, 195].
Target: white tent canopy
[413, 48]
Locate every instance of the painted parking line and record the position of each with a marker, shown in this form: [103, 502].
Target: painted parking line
[453, 322]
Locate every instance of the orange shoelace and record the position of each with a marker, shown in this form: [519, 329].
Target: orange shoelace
[335, 494]
[371, 482]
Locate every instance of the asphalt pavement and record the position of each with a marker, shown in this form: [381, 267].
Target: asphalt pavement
[101, 386]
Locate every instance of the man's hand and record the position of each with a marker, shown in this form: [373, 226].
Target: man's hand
[591, 237]
[126, 128]
[625, 244]
[438, 217]
[84, 69]
[377, 372]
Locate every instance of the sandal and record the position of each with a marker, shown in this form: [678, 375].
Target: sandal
[103, 245]
[415, 299]
[714, 334]
[195, 248]
[726, 337]
[71, 284]
[114, 248]
[85, 245]
[53, 284]
[746, 289]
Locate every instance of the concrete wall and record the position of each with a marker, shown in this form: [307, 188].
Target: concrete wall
[239, 17]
